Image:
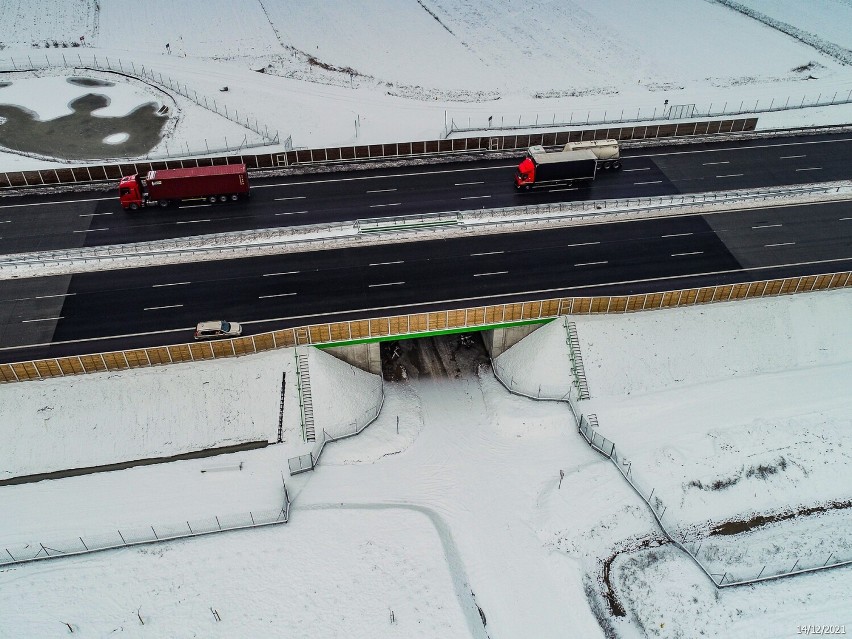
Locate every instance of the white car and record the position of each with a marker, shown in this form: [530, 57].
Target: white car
[217, 329]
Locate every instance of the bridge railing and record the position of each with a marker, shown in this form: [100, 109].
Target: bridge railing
[414, 325]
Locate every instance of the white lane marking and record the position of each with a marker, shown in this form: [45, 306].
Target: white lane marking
[570, 188]
[652, 182]
[779, 244]
[387, 263]
[488, 253]
[295, 197]
[791, 157]
[395, 175]
[43, 319]
[676, 235]
[644, 168]
[467, 183]
[173, 284]
[378, 206]
[712, 163]
[387, 284]
[263, 297]
[381, 191]
[487, 274]
[730, 175]
[157, 308]
[582, 244]
[844, 218]
[93, 214]
[283, 273]
[812, 168]
[475, 197]
[95, 199]
[5, 222]
[292, 213]
[91, 230]
[690, 253]
[591, 263]
[192, 221]
[743, 148]
[458, 300]
[196, 206]
[39, 297]
[766, 226]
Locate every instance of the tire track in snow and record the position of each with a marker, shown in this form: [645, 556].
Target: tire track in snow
[452, 556]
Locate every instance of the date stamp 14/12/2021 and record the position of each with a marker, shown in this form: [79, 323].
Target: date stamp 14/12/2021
[816, 629]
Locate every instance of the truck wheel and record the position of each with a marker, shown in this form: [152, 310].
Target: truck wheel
[616, 165]
[134, 207]
[163, 204]
[223, 198]
[528, 187]
[235, 197]
[212, 199]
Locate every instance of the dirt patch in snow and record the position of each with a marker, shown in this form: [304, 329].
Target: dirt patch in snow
[744, 525]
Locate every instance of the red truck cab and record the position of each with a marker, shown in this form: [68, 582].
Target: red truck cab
[525, 177]
[130, 192]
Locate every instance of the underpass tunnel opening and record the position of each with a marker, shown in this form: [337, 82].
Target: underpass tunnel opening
[449, 356]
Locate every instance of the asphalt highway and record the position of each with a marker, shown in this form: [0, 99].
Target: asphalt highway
[134, 307]
[44, 222]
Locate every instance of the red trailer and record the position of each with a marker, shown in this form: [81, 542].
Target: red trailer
[171, 186]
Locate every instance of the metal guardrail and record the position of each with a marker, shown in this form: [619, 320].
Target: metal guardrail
[414, 325]
[406, 222]
[246, 243]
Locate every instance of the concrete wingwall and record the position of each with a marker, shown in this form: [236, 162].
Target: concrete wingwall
[499, 340]
[365, 356]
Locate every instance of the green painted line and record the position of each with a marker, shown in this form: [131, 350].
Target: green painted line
[446, 331]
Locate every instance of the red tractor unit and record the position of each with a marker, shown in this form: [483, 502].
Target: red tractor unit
[172, 186]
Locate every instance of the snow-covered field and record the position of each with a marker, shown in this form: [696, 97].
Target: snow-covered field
[348, 72]
[453, 499]
[459, 505]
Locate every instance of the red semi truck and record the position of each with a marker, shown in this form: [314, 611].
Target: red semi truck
[575, 161]
[171, 186]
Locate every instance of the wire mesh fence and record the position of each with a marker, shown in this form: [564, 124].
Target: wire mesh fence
[722, 108]
[521, 385]
[134, 536]
[77, 60]
[308, 461]
[725, 564]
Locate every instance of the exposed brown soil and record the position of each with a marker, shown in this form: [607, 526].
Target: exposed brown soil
[744, 525]
[609, 593]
